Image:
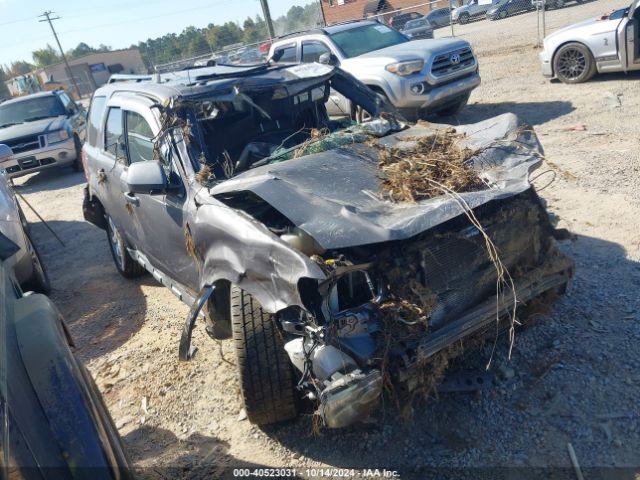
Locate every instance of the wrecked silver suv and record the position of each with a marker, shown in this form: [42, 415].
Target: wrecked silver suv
[332, 252]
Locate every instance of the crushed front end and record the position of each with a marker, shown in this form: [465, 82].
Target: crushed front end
[368, 339]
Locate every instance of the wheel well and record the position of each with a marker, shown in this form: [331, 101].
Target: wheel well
[555, 52]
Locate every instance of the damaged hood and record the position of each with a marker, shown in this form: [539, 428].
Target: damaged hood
[335, 196]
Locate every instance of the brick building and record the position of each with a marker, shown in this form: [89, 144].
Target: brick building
[341, 10]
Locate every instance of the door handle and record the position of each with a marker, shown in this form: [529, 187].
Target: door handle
[132, 199]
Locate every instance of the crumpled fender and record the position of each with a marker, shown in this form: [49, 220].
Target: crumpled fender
[264, 266]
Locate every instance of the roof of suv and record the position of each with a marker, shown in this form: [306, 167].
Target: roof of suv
[28, 97]
[328, 30]
[201, 81]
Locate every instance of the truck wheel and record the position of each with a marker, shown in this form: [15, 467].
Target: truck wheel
[77, 163]
[266, 376]
[463, 18]
[503, 14]
[39, 281]
[574, 63]
[454, 108]
[126, 266]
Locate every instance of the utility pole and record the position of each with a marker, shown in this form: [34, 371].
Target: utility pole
[267, 17]
[48, 18]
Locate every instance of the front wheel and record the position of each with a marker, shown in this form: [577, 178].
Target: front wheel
[574, 63]
[126, 266]
[266, 376]
[464, 18]
[503, 14]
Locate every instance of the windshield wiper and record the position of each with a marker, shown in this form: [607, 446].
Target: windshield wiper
[10, 124]
[39, 117]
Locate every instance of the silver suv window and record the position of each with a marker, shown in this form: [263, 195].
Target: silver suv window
[113, 133]
[139, 138]
[312, 49]
[366, 38]
[95, 120]
[285, 54]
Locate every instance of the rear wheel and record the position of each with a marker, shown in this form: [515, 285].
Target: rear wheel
[126, 266]
[266, 375]
[574, 63]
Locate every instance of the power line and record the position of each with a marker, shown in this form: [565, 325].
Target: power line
[48, 19]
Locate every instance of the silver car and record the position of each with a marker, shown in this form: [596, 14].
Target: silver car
[44, 130]
[26, 263]
[416, 76]
[609, 43]
[418, 28]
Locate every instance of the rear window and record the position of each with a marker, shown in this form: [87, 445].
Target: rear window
[95, 119]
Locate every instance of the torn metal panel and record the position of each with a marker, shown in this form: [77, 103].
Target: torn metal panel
[335, 196]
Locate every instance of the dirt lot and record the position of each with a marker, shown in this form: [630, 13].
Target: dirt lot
[575, 373]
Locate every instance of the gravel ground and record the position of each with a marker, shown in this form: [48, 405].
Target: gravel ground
[574, 374]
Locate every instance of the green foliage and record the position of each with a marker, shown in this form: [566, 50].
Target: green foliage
[83, 49]
[46, 56]
[4, 91]
[19, 68]
[194, 42]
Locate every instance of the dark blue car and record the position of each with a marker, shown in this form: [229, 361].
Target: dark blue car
[53, 422]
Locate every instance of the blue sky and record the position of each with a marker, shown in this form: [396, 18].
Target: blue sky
[117, 23]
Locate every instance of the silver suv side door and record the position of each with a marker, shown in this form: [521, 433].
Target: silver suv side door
[160, 217]
[109, 163]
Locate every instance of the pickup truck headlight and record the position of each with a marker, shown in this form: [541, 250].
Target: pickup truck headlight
[405, 68]
[57, 136]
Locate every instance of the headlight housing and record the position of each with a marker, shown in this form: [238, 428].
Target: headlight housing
[57, 136]
[405, 68]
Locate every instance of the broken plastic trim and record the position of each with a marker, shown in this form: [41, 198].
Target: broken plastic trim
[186, 351]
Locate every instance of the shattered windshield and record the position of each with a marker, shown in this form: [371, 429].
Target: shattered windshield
[247, 127]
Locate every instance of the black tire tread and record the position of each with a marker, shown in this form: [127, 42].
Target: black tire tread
[592, 70]
[266, 376]
[132, 269]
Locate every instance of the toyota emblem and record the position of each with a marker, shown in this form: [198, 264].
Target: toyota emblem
[454, 58]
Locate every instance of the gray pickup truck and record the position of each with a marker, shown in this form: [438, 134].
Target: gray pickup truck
[417, 76]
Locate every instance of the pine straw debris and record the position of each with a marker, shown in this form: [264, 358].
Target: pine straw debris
[420, 172]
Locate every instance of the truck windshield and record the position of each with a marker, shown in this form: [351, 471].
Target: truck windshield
[366, 38]
[30, 110]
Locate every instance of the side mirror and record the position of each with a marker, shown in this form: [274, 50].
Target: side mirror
[146, 177]
[6, 153]
[328, 59]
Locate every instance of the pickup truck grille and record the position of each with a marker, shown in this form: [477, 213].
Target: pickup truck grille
[447, 63]
[25, 144]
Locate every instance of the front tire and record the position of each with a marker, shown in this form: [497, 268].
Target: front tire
[266, 376]
[464, 18]
[126, 266]
[502, 14]
[574, 63]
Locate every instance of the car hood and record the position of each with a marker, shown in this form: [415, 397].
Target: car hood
[424, 49]
[38, 127]
[589, 23]
[336, 196]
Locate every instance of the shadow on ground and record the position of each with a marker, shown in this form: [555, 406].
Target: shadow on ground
[50, 179]
[197, 457]
[112, 308]
[533, 113]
